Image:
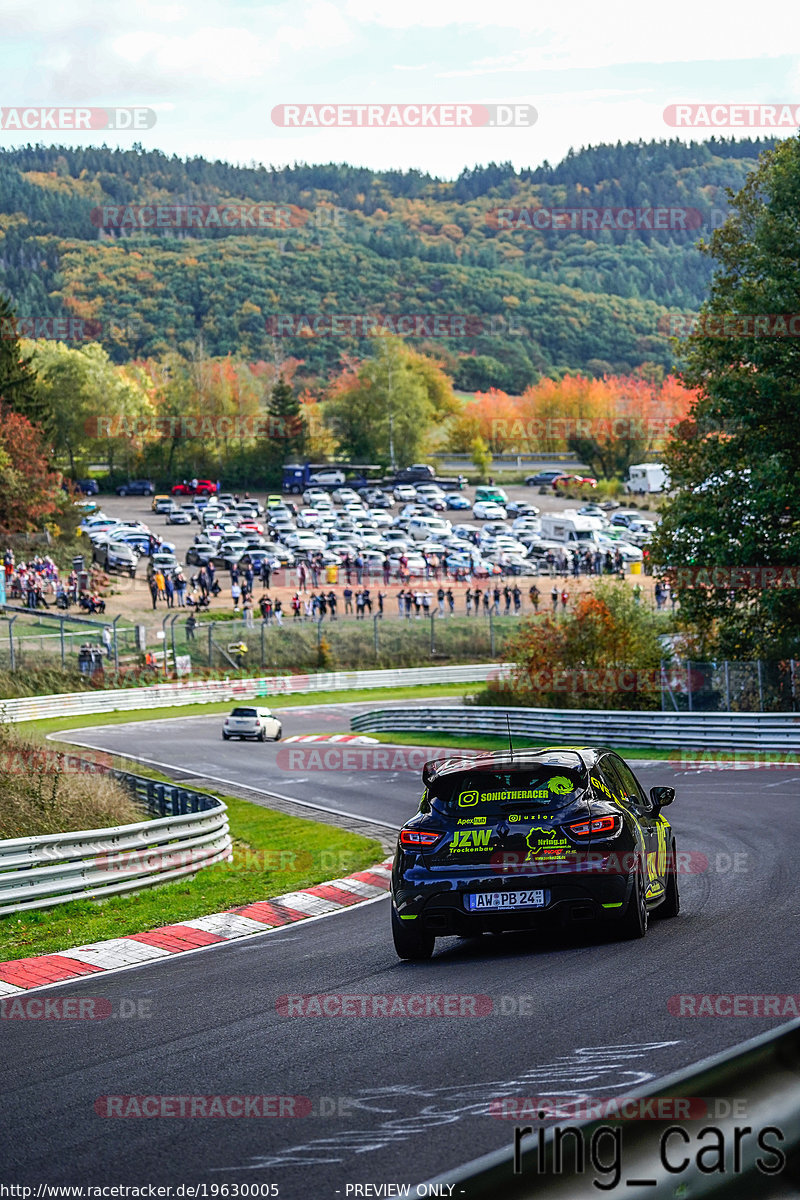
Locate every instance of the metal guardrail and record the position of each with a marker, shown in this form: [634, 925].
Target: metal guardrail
[167, 695]
[191, 832]
[767, 731]
[762, 1072]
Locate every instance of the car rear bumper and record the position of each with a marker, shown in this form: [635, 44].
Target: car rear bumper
[440, 904]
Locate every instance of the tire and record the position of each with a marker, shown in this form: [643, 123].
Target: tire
[279, 734]
[262, 737]
[122, 492]
[225, 737]
[412, 944]
[671, 904]
[634, 923]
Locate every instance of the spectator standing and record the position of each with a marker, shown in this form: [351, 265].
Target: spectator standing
[451, 601]
[236, 592]
[348, 598]
[564, 599]
[554, 598]
[332, 603]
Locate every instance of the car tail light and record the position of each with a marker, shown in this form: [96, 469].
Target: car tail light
[417, 838]
[606, 826]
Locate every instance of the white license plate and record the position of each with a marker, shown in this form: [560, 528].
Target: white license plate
[478, 901]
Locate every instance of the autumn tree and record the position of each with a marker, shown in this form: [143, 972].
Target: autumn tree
[387, 408]
[734, 462]
[30, 495]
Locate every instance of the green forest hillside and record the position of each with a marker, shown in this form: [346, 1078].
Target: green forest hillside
[356, 242]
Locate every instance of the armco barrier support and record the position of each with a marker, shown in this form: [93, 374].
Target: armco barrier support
[167, 695]
[733, 731]
[763, 1072]
[191, 832]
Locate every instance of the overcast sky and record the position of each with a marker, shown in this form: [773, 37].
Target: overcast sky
[214, 70]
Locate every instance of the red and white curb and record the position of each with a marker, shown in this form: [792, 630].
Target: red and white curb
[25, 974]
[357, 739]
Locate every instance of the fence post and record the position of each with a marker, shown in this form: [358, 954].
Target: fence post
[319, 632]
[11, 621]
[689, 684]
[491, 634]
[210, 645]
[433, 636]
[115, 642]
[727, 687]
[760, 686]
[375, 620]
[263, 625]
[63, 650]
[793, 682]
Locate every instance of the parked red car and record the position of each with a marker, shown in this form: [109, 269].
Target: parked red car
[574, 481]
[199, 487]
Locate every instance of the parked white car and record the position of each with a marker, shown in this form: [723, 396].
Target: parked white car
[255, 723]
[331, 476]
[487, 510]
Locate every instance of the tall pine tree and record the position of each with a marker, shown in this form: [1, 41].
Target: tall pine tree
[17, 377]
[287, 432]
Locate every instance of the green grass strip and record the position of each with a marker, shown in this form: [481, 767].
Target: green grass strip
[273, 853]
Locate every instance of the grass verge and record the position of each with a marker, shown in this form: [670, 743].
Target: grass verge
[297, 699]
[490, 742]
[273, 853]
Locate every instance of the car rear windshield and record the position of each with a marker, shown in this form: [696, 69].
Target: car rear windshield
[545, 786]
[244, 712]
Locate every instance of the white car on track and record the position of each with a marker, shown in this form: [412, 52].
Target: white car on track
[256, 723]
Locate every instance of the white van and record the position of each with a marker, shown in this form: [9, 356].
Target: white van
[570, 528]
[646, 477]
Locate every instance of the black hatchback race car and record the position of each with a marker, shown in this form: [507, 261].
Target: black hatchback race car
[505, 841]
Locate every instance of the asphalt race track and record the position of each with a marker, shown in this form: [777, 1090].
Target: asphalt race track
[394, 1099]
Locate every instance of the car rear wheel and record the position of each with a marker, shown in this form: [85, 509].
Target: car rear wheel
[410, 941]
[634, 923]
[122, 492]
[262, 737]
[671, 904]
[279, 734]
